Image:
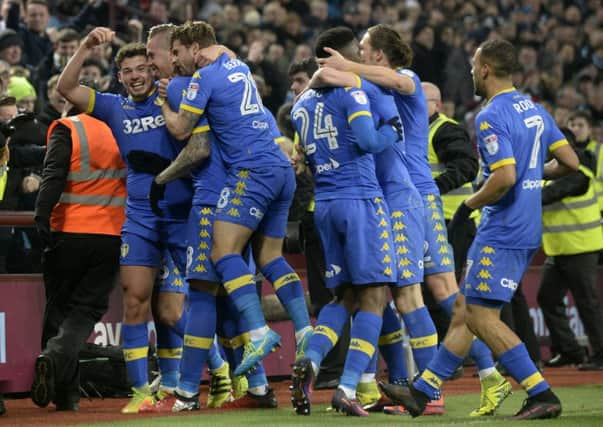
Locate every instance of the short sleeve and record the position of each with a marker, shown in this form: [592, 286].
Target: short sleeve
[493, 141]
[356, 103]
[197, 93]
[103, 105]
[383, 105]
[176, 91]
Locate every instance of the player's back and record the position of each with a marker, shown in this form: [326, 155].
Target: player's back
[415, 119]
[235, 113]
[513, 119]
[390, 165]
[341, 170]
[209, 177]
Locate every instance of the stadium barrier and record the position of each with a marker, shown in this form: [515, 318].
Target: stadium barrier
[22, 310]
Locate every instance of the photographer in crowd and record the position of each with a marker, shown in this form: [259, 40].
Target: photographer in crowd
[21, 162]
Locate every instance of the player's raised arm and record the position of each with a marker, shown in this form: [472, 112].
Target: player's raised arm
[331, 77]
[68, 85]
[381, 75]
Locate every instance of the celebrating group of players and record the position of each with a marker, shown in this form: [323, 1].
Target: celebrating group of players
[362, 127]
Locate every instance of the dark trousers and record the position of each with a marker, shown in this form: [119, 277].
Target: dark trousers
[79, 275]
[516, 314]
[320, 295]
[577, 274]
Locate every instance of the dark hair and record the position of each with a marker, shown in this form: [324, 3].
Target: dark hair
[307, 65]
[93, 62]
[569, 135]
[67, 35]
[7, 100]
[336, 38]
[501, 56]
[39, 2]
[398, 53]
[129, 50]
[581, 114]
[283, 120]
[195, 32]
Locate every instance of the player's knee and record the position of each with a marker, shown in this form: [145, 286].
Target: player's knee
[476, 321]
[373, 299]
[167, 313]
[441, 285]
[136, 307]
[408, 299]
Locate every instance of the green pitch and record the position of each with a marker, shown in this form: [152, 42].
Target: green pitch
[582, 406]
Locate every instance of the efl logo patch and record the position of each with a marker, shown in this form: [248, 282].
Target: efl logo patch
[193, 89]
[491, 144]
[360, 97]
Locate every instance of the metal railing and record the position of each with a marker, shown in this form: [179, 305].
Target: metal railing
[16, 218]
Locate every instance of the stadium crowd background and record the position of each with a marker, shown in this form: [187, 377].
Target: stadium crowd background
[560, 48]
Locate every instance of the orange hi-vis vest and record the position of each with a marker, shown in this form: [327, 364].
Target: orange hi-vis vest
[94, 197]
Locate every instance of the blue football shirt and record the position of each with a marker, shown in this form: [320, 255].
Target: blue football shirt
[341, 169]
[139, 125]
[413, 112]
[226, 93]
[209, 177]
[512, 129]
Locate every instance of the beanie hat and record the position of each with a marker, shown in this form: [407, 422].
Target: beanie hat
[19, 87]
[9, 38]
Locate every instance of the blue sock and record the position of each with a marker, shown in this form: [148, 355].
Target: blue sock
[371, 369]
[180, 325]
[423, 336]
[390, 346]
[169, 350]
[214, 358]
[363, 340]
[331, 320]
[441, 367]
[136, 348]
[198, 339]
[481, 353]
[522, 369]
[240, 285]
[257, 377]
[226, 328]
[448, 303]
[289, 291]
[478, 351]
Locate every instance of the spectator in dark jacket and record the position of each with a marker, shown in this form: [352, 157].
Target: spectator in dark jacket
[33, 32]
[11, 47]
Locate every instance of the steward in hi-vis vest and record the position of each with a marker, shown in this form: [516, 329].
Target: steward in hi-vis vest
[453, 161]
[79, 214]
[572, 240]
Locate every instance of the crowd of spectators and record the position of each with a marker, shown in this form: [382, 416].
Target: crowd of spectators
[560, 46]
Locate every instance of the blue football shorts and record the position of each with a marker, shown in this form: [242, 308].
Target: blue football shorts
[142, 242]
[493, 274]
[439, 257]
[199, 232]
[258, 199]
[357, 240]
[170, 278]
[408, 229]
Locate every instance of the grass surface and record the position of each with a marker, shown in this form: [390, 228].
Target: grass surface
[582, 406]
